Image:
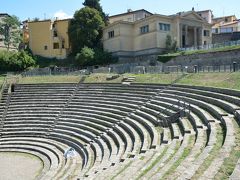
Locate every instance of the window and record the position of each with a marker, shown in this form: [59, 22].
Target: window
[144, 29]
[111, 34]
[63, 42]
[206, 33]
[164, 27]
[45, 47]
[205, 43]
[55, 33]
[226, 30]
[55, 45]
[215, 30]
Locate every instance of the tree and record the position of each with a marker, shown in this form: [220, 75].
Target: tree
[85, 57]
[15, 61]
[96, 5]
[10, 29]
[85, 28]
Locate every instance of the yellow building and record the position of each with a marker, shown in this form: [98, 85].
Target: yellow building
[226, 24]
[146, 38]
[49, 38]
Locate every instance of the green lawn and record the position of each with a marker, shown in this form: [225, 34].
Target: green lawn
[101, 78]
[49, 79]
[221, 80]
[169, 56]
[155, 78]
[1, 79]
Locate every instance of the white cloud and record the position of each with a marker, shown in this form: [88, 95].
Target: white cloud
[61, 15]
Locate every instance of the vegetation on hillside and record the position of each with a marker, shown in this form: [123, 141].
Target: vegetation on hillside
[167, 57]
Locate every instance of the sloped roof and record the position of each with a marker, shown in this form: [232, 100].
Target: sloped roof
[131, 12]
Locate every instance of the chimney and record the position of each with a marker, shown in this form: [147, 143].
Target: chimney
[193, 9]
[129, 10]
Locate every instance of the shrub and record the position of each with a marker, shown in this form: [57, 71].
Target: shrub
[15, 61]
[85, 57]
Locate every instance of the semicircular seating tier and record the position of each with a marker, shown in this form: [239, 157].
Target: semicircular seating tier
[124, 132]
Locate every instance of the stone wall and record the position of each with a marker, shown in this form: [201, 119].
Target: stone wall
[207, 59]
[224, 37]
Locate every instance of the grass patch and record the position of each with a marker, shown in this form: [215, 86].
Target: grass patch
[155, 78]
[167, 57]
[102, 78]
[49, 79]
[213, 153]
[1, 79]
[185, 153]
[123, 169]
[221, 80]
[229, 163]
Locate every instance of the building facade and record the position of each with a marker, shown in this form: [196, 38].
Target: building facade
[206, 15]
[49, 38]
[146, 38]
[226, 24]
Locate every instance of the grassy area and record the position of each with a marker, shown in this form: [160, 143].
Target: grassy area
[222, 80]
[230, 163]
[155, 78]
[49, 79]
[213, 153]
[1, 80]
[167, 57]
[102, 78]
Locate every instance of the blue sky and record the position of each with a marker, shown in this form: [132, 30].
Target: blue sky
[49, 8]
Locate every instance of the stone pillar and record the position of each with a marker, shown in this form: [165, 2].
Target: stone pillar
[180, 35]
[200, 35]
[195, 37]
[186, 35]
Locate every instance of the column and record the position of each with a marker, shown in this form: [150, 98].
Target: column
[195, 37]
[186, 35]
[200, 35]
[180, 34]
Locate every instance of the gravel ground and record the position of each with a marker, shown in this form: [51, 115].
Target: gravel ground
[19, 166]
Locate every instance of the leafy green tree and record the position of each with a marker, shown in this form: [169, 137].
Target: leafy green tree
[85, 57]
[96, 5]
[85, 29]
[10, 29]
[15, 61]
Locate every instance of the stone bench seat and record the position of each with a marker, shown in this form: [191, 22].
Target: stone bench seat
[216, 95]
[214, 110]
[148, 128]
[225, 105]
[118, 106]
[112, 96]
